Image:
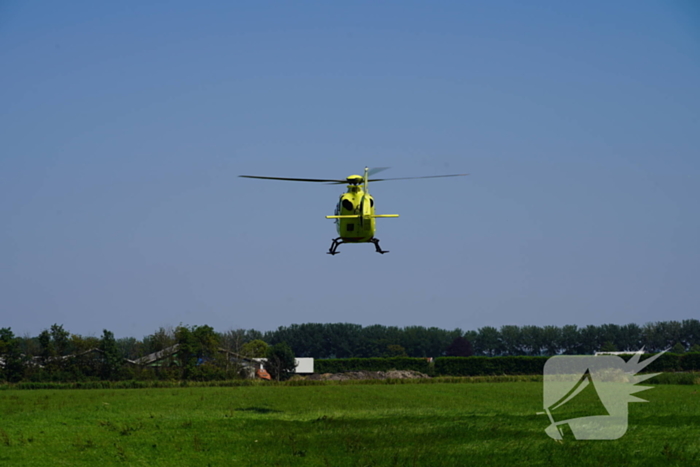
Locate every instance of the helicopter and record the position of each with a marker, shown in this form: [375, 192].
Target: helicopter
[354, 214]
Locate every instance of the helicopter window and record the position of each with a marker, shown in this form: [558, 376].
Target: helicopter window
[347, 204]
[371, 202]
[351, 227]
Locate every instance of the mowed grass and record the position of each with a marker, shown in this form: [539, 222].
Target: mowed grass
[443, 424]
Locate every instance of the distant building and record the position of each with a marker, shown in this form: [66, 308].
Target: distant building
[305, 366]
[251, 366]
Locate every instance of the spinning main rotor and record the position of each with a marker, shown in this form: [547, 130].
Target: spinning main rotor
[352, 179]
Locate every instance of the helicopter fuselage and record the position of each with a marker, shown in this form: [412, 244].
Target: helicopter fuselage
[355, 210]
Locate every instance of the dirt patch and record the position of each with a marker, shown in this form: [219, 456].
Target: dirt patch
[356, 375]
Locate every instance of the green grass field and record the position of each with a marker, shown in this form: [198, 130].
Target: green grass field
[443, 424]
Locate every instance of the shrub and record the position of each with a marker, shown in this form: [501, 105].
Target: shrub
[280, 362]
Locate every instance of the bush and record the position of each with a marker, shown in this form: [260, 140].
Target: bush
[674, 378]
[280, 362]
[208, 372]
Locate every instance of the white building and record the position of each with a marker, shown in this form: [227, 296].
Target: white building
[304, 366]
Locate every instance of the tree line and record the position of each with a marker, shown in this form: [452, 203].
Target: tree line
[184, 353]
[343, 340]
[58, 355]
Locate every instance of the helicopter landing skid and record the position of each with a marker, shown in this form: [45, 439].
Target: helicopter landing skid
[333, 250]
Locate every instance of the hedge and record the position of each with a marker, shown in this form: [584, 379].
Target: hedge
[342, 365]
[667, 362]
[485, 366]
[690, 361]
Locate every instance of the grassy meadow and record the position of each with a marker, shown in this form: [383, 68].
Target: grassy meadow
[440, 424]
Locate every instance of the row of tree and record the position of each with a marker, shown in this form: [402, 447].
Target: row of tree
[183, 353]
[342, 340]
[56, 354]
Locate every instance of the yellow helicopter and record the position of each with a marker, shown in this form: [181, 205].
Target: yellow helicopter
[354, 214]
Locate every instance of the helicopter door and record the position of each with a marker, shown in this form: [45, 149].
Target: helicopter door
[337, 221]
[366, 227]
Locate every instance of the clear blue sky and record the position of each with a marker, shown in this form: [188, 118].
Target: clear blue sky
[124, 127]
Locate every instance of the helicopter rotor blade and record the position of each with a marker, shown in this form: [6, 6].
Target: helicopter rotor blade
[345, 181]
[317, 180]
[374, 170]
[371, 172]
[416, 178]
